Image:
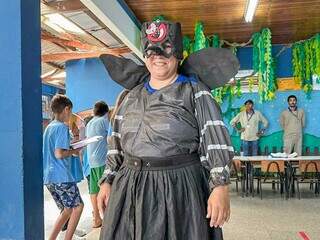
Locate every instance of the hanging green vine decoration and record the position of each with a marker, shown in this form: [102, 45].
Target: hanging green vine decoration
[186, 46]
[306, 62]
[263, 64]
[251, 83]
[256, 43]
[208, 42]
[238, 89]
[215, 41]
[199, 37]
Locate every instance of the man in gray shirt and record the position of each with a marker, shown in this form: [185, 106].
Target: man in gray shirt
[292, 121]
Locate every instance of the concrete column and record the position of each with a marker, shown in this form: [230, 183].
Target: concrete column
[21, 190]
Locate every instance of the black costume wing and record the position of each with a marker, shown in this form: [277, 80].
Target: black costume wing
[213, 66]
[124, 71]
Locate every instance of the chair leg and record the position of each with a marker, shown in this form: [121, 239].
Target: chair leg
[237, 188]
[252, 186]
[291, 187]
[260, 187]
[243, 187]
[298, 190]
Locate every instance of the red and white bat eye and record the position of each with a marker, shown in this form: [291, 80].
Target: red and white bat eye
[157, 33]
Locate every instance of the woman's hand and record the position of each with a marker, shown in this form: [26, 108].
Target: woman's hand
[103, 197]
[219, 206]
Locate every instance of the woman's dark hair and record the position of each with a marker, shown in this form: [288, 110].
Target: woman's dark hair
[100, 108]
[59, 102]
[292, 96]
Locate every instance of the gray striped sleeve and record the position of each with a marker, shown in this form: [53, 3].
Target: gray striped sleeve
[216, 151]
[114, 154]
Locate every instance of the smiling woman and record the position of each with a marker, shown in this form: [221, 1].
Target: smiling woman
[169, 149]
[163, 70]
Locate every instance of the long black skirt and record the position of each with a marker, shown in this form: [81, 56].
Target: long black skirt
[165, 204]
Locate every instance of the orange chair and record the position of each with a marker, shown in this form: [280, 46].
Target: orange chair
[236, 174]
[309, 173]
[272, 172]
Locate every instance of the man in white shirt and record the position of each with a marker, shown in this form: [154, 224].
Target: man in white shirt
[250, 133]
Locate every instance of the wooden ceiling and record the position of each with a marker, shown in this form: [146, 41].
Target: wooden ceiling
[289, 20]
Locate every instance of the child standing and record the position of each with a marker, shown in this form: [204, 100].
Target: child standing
[59, 177]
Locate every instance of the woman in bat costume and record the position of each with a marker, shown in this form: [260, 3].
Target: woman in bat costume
[168, 165]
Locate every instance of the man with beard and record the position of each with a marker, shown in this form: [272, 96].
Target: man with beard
[292, 121]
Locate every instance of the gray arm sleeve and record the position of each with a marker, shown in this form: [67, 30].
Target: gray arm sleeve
[216, 151]
[115, 154]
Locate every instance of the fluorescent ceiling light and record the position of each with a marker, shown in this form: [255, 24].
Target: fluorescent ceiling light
[250, 10]
[61, 24]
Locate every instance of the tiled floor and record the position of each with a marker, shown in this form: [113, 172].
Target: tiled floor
[251, 218]
[273, 217]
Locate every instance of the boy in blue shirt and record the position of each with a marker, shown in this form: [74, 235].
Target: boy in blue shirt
[59, 176]
[97, 154]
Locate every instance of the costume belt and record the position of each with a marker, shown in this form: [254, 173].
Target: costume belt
[157, 163]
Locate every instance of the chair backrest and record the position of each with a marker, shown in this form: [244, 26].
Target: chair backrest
[272, 166]
[316, 151]
[236, 164]
[309, 166]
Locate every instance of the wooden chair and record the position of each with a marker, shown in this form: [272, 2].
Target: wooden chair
[236, 174]
[272, 172]
[309, 174]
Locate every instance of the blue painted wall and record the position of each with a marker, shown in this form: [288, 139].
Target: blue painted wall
[87, 81]
[51, 90]
[283, 61]
[272, 110]
[21, 197]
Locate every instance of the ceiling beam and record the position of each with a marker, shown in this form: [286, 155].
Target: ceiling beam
[66, 5]
[48, 79]
[112, 14]
[68, 43]
[55, 65]
[65, 56]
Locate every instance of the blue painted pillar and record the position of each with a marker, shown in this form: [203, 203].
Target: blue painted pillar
[21, 190]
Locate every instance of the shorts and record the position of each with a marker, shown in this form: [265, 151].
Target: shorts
[95, 175]
[65, 195]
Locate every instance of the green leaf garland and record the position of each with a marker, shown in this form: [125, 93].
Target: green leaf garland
[199, 37]
[263, 64]
[306, 62]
